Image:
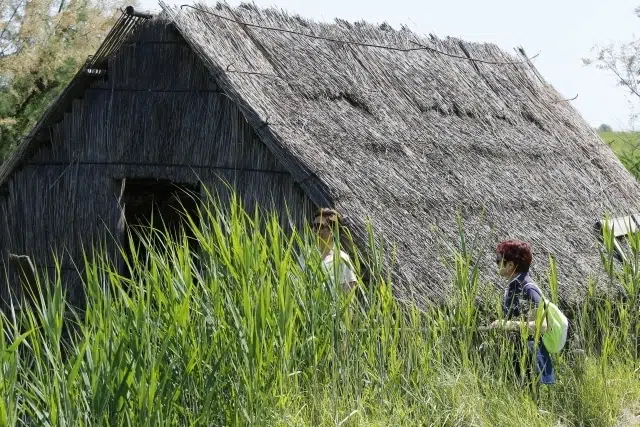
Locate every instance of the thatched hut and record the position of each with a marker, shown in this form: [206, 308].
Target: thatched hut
[389, 127]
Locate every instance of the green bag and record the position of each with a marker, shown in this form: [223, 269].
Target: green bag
[555, 337]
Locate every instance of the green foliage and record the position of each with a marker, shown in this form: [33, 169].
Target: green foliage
[626, 145]
[42, 45]
[228, 329]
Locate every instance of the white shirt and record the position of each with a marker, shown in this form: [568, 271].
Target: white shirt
[341, 274]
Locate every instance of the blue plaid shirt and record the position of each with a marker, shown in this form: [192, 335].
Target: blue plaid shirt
[520, 297]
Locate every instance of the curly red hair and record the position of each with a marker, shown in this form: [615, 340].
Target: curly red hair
[516, 251]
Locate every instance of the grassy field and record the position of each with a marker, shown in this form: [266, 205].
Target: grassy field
[241, 335]
[621, 142]
[626, 145]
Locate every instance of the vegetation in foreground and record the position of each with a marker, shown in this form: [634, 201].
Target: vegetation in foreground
[239, 335]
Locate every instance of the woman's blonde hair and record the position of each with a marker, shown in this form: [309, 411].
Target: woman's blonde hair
[331, 215]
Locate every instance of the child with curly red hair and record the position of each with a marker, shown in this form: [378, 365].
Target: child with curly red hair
[521, 299]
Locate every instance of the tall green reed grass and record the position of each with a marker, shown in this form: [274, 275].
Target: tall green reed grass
[223, 326]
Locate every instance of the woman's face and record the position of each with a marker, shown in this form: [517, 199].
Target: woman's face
[322, 228]
[505, 268]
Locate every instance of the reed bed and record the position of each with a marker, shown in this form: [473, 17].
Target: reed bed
[226, 328]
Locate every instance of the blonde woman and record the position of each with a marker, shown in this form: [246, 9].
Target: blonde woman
[335, 261]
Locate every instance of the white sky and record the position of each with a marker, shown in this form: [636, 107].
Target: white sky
[563, 31]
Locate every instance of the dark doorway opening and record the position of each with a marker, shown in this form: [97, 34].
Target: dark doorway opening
[158, 204]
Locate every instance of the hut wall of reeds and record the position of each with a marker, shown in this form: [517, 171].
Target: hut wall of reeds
[156, 114]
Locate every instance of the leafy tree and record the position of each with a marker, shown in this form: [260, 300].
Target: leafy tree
[605, 128]
[42, 45]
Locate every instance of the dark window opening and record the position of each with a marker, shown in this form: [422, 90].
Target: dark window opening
[160, 204]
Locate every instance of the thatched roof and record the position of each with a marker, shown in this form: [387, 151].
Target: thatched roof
[406, 131]
[408, 137]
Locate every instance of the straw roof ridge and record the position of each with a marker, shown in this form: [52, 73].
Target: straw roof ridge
[385, 36]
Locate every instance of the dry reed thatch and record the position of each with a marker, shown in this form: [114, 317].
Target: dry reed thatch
[406, 137]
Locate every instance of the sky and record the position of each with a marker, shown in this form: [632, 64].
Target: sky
[562, 31]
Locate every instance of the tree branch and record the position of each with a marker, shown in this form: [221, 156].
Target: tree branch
[4, 30]
[623, 81]
[41, 88]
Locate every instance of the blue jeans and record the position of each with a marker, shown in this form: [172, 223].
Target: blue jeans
[542, 360]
